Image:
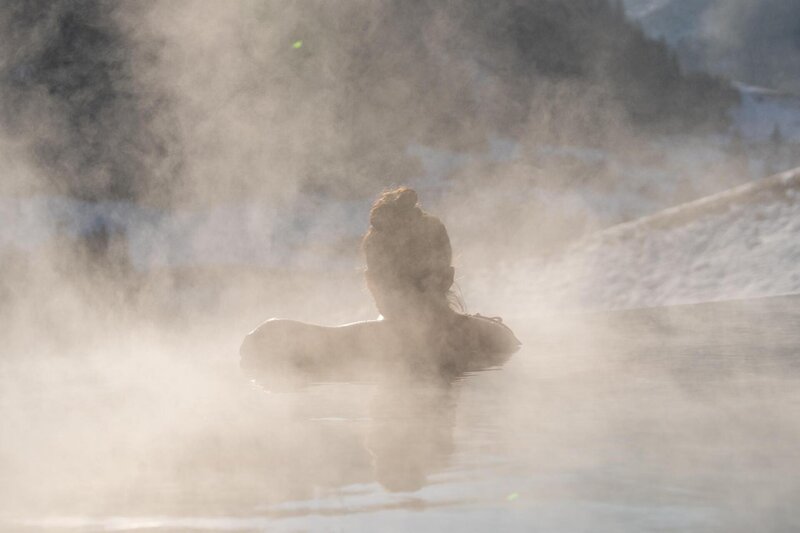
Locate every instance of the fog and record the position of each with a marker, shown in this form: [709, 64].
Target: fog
[175, 173]
[752, 42]
[773, 25]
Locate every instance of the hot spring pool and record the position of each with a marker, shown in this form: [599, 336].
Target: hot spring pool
[685, 418]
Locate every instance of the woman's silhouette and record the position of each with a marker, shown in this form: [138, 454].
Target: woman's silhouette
[410, 275]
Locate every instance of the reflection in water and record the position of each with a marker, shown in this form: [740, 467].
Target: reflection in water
[411, 413]
[411, 432]
[412, 410]
[683, 419]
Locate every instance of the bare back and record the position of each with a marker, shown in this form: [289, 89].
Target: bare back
[362, 349]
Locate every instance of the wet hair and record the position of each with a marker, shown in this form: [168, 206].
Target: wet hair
[406, 245]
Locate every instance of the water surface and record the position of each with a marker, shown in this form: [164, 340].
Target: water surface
[685, 418]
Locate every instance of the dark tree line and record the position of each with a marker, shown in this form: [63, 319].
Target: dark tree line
[69, 90]
[592, 41]
[755, 42]
[449, 74]
[391, 72]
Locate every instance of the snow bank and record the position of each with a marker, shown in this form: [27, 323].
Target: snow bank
[742, 243]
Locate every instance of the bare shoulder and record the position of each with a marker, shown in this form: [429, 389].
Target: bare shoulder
[274, 336]
[275, 331]
[282, 338]
[491, 334]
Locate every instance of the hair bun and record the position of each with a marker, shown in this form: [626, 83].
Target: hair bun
[395, 208]
[407, 199]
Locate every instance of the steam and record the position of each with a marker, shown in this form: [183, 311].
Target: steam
[72, 98]
[757, 43]
[175, 172]
[752, 42]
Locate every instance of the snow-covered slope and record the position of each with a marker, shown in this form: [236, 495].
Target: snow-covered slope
[742, 243]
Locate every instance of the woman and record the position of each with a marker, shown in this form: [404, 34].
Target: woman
[409, 274]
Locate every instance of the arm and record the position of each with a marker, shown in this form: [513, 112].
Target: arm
[318, 352]
[494, 342]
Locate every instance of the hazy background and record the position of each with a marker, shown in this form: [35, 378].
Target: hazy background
[751, 42]
[174, 172]
[166, 137]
